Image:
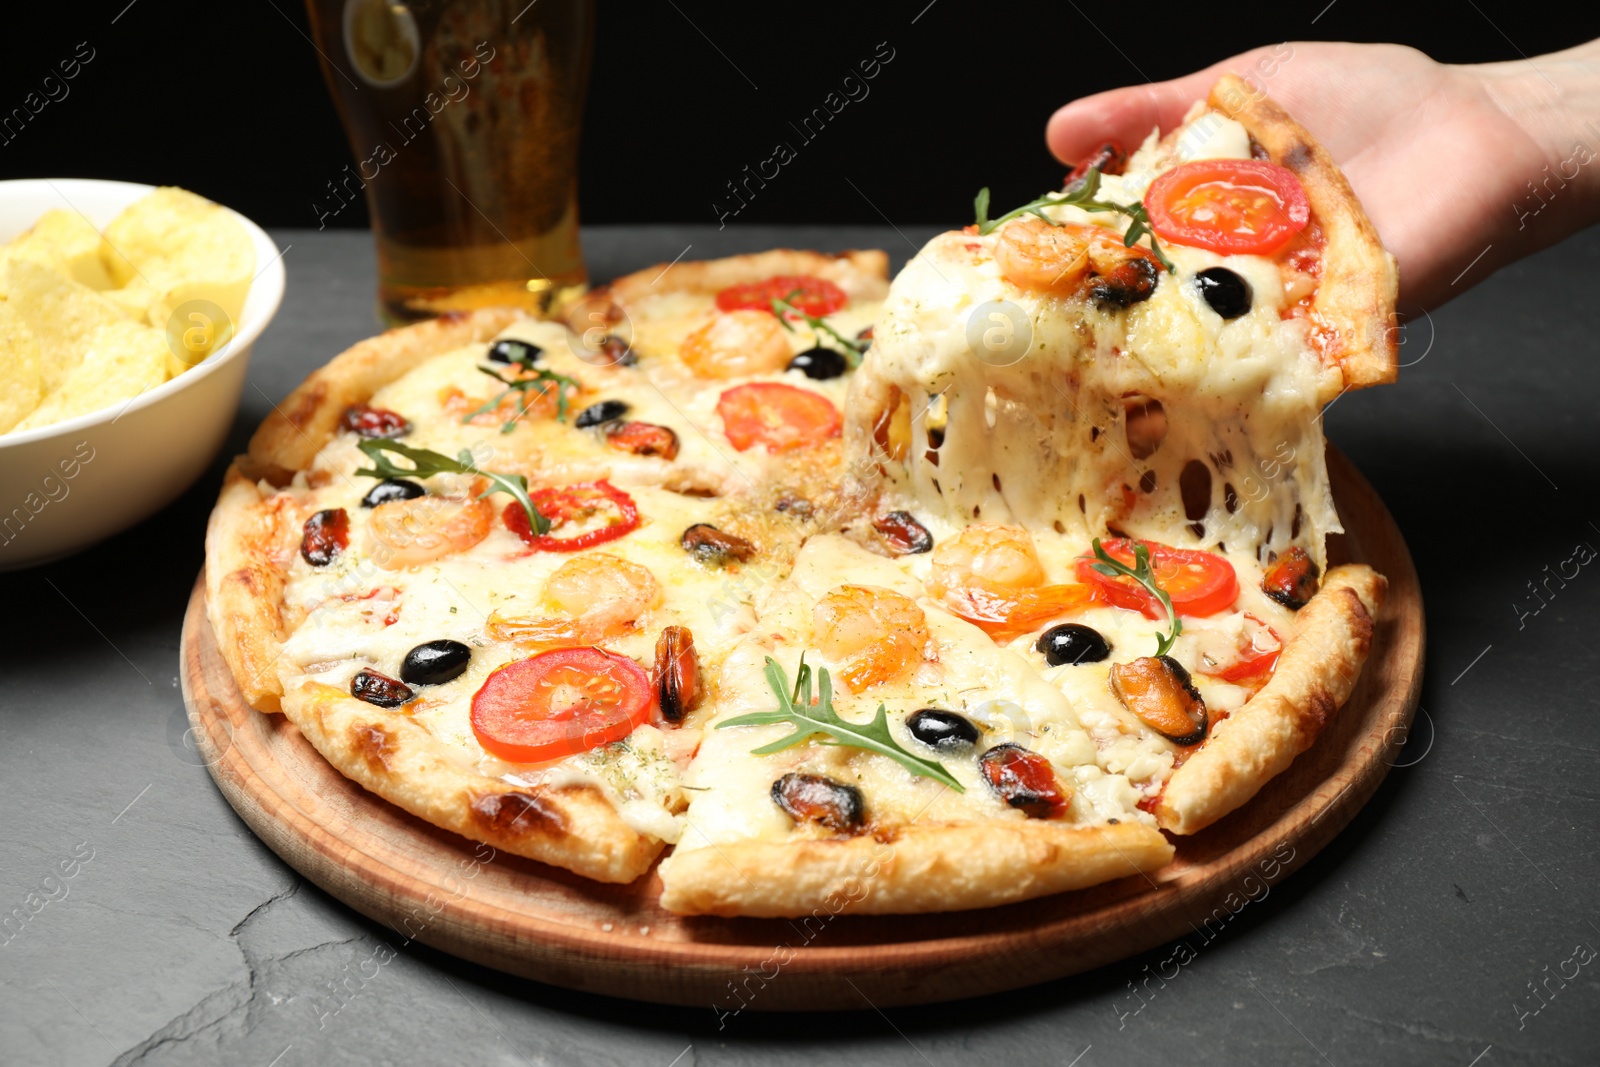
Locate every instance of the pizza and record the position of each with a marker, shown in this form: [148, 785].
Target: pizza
[944, 593]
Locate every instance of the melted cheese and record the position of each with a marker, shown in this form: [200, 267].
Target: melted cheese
[1039, 437]
[998, 688]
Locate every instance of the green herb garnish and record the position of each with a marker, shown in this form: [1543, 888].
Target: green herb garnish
[533, 378]
[428, 463]
[853, 350]
[811, 721]
[1080, 194]
[1141, 573]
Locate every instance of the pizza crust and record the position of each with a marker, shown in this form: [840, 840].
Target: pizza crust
[1314, 677]
[863, 275]
[248, 543]
[290, 438]
[906, 870]
[385, 751]
[1355, 302]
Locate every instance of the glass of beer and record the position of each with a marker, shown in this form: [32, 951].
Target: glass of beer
[464, 118]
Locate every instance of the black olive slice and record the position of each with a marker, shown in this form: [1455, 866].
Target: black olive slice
[1073, 642]
[379, 689]
[710, 545]
[602, 412]
[435, 662]
[942, 730]
[509, 351]
[813, 798]
[1228, 294]
[391, 489]
[820, 363]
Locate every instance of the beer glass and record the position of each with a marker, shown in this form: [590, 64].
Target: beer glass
[463, 116]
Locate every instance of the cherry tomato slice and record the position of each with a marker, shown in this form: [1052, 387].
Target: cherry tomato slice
[1228, 205]
[560, 703]
[1260, 658]
[813, 296]
[570, 505]
[781, 417]
[1198, 583]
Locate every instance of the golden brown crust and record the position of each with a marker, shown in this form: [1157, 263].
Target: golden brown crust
[249, 543]
[291, 436]
[1315, 675]
[1355, 302]
[863, 275]
[917, 869]
[573, 827]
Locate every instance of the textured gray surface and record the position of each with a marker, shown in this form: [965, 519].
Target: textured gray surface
[1417, 937]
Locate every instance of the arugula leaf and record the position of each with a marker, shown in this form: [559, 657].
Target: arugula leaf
[428, 463]
[538, 378]
[853, 350]
[1141, 573]
[1080, 194]
[811, 721]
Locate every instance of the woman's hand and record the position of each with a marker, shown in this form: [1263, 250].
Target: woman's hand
[1447, 160]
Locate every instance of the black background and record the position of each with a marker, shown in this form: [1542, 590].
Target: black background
[227, 98]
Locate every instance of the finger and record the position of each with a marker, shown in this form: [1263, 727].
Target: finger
[1130, 113]
[1126, 115]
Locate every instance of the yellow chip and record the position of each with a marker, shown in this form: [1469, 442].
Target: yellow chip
[19, 369]
[62, 315]
[121, 360]
[68, 244]
[134, 299]
[89, 355]
[184, 248]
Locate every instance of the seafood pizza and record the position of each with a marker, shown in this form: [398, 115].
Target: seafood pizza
[923, 596]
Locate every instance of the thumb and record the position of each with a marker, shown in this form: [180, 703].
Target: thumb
[1130, 113]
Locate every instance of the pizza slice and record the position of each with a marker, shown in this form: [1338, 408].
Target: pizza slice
[425, 564]
[1187, 317]
[936, 770]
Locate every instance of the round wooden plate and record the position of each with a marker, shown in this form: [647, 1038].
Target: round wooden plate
[523, 917]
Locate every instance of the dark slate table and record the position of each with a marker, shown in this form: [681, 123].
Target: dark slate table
[1456, 921]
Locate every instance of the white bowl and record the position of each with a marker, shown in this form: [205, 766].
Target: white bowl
[65, 486]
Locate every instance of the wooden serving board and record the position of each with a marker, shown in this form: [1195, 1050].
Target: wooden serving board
[523, 917]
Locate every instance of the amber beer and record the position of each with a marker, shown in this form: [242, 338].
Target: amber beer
[463, 116]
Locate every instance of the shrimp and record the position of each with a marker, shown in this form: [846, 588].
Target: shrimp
[1034, 254]
[737, 344]
[591, 598]
[990, 556]
[989, 574]
[406, 533]
[879, 634]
